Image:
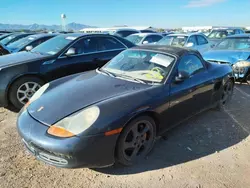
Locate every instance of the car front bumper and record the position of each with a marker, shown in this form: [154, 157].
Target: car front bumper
[239, 76]
[85, 151]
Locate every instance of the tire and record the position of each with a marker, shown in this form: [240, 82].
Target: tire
[19, 85]
[136, 140]
[248, 79]
[226, 94]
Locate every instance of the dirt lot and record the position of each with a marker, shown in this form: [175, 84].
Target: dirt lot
[210, 150]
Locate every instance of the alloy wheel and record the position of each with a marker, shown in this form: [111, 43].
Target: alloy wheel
[227, 93]
[26, 91]
[138, 140]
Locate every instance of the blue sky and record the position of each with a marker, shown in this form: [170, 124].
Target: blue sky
[103, 13]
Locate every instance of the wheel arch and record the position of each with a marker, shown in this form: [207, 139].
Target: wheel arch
[151, 114]
[19, 77]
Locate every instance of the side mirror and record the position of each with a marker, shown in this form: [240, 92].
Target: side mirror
[190, 44]
[182, 75]
[145, 42]
[70, 52]
[28, 48]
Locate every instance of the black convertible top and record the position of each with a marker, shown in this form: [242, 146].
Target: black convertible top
[177, 51]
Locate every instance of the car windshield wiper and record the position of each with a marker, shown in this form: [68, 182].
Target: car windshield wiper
[131, 78]
[107, 72]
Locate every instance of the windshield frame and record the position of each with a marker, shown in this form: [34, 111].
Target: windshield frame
[232, 38]
[4, 36]
[137, 36]
[220, 30]
[12, 37]
[60, 53]
[164, 80]
[172, 37]
[23, 45]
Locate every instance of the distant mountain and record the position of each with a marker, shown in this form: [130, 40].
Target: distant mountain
[71, 26]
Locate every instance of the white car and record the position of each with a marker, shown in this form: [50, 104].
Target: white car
[144, 38]
[197, 41]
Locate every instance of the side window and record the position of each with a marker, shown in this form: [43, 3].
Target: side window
[201, 40]
[149, 39]
[237, 31]
[155, 38]
[86, 45]
[192, 39]
[37, 42]
[108, 43]
[191, 64]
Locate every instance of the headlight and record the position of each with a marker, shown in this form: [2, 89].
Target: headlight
[241, 66]
[37, 94]
[75, 123]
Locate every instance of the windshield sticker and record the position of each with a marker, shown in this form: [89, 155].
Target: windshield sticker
[71, 38]
[180, 37]
[162, 60]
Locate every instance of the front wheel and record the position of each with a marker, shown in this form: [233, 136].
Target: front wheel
[23, 89]
[136, 140]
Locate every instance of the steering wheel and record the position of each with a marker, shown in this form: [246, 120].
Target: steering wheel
[156, 72]
[159, 70]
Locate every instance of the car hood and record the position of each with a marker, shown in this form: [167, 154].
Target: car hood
[20, 57]
[70, 94]
[229, 56]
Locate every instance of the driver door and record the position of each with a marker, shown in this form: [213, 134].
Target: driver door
[192, 39]
[86, 51]
[192, 94]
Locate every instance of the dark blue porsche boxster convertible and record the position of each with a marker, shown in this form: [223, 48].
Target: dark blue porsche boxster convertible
[113, 114]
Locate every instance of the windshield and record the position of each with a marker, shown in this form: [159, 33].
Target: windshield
[21, 43]
[234, 44]
[7, 39]
[145, 66]
[173, 40]
[4, 36]
[136, 39]
[54, 45]
[218, 34]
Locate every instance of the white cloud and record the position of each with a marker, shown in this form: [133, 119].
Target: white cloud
[202, 3]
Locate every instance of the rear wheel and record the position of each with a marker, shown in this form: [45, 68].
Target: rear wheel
[226, 94]
[23, 89]
[248, 78]
[136, 140]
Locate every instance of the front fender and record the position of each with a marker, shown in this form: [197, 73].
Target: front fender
[116, 112]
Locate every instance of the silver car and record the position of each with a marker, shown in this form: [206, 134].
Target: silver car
[144, 38]
[197, 41]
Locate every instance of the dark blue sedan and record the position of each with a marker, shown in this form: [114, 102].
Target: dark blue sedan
[113, 114]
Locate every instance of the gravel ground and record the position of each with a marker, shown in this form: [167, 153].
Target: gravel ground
[210, 150]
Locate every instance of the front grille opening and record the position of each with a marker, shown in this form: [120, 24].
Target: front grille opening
[218, 62]
[52, 159]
